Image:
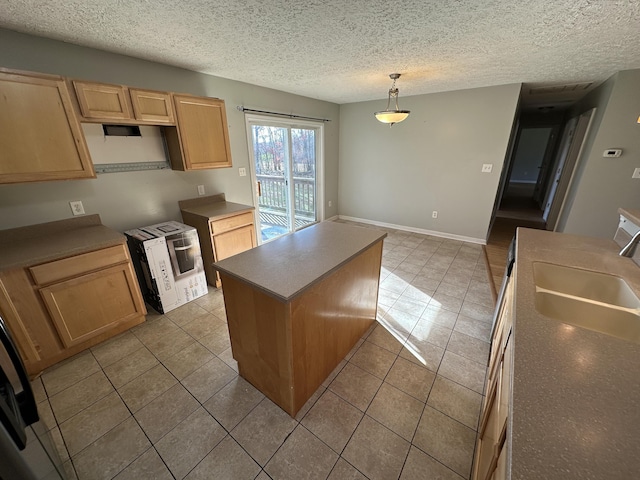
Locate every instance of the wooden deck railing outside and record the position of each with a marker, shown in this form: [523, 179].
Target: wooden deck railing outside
[274, 195]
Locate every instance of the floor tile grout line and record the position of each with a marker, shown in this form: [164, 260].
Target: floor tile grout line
[369, 404]
[132, 414]
[325, 388]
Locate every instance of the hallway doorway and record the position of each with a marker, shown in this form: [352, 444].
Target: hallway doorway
[529, 169]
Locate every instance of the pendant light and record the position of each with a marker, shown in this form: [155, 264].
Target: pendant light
[392, 116]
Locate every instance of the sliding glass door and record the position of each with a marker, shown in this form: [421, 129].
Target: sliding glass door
[285, 160]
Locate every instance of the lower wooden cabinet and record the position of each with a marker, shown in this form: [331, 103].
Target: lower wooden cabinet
[491, 456]
[86, 306]
[224, 229]
[59, 308]
[234, 242]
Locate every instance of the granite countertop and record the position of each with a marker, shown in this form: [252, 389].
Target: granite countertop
[35, 244]
[576, 392]
[283, 268]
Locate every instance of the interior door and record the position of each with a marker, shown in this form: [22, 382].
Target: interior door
[284, 164]
[564, 173]
[545, 167]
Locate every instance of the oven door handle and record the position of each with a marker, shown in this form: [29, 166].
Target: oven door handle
[25, 399]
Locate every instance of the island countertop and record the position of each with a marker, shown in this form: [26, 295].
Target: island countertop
[575, 391]
[285, 267]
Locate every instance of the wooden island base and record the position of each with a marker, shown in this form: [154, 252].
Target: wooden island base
[286, 349]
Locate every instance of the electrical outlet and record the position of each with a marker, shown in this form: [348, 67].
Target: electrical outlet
[487, 167]
[242, 171]
[434, 214]
[330, 203]
[77, 208]
[200, 189]
[636, 173]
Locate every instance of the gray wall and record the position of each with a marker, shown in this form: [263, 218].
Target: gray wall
[602, 185]
[529, 154]
[431, 161]
[127, 200]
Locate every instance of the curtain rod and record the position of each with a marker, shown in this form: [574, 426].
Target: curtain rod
[289, 115]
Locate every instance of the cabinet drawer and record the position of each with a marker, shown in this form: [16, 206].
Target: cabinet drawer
[229, 223]
[78, 264]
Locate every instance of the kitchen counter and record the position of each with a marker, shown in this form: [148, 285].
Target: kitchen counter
[35, 244]
[576, 392]
[286, 267]
[217, 209]
[64, 287]
[631, 213]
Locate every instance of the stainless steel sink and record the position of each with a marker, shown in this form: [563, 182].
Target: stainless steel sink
[592, 300]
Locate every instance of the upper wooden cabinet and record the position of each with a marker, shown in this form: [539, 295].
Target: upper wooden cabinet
[152, 106]
[104, 103]
[40, 135]
[99, 101]
[201, 139]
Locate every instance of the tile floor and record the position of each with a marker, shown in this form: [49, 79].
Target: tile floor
[164, 400]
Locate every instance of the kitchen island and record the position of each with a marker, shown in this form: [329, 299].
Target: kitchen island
[297, 305]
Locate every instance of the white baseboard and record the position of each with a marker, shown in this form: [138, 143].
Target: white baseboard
[451, 236]
[331, 219]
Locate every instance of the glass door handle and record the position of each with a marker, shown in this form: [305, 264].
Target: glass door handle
[259, 188]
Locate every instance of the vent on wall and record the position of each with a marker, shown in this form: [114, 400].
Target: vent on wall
[121, 130]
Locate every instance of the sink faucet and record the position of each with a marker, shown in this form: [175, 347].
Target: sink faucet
[629, 248]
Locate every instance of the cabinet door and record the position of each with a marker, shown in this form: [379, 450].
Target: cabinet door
[202, 133]
[40, 136]
[489, 433]
[234, 242]
[100, 101]
[500, 473]
[152, 106]
[86, 306]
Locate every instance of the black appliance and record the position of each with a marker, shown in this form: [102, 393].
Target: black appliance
[26, 449]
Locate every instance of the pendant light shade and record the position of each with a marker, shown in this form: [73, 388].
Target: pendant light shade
[392, 116]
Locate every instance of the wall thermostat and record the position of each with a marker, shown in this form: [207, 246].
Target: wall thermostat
[612, 152]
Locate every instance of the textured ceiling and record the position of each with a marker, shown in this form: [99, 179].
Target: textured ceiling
[343, 50]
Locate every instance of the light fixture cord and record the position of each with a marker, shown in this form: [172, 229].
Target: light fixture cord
[393, 92]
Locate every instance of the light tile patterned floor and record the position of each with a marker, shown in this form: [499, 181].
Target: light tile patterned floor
[164, 400]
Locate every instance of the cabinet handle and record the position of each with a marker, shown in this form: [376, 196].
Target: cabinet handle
[259, 189]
